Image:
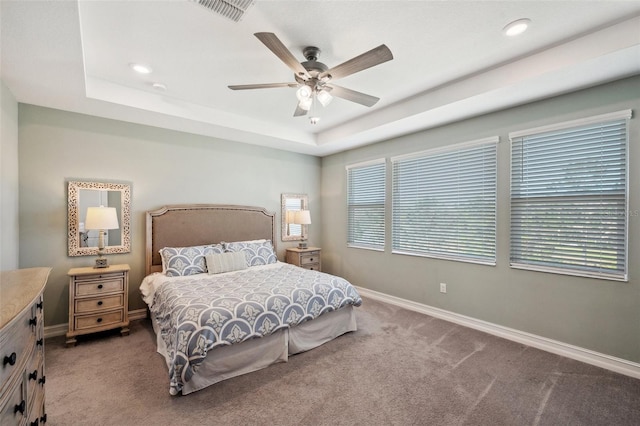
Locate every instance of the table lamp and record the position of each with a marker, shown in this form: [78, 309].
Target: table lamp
[100, 219]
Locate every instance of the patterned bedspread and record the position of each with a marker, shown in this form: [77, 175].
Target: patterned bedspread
[199, 314]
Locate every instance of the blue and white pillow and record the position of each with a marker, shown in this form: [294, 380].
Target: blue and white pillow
[257, 252]
[182, 261]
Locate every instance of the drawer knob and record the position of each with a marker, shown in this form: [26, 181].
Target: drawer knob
[33, 321]
[43, 419]
[35, 423]
[40, 341]
[34, 375]
[19, 408]
[99, 320]
[42, 381]
[99, 286]
[99, 302]
[11, 359]
[39, 305]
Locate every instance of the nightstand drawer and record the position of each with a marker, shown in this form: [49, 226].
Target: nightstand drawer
[99, 303]
[308, 258]
[311, 266]
[111, 284]
[98, 320]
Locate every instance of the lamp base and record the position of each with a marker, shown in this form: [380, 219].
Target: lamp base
[302, 245]
[101, 262]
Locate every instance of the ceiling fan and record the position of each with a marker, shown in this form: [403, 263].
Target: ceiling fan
[314, 80]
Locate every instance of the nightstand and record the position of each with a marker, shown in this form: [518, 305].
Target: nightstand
[98, 300]
[308, 258]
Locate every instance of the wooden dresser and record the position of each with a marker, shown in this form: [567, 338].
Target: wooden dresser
[22, 376]
[98, 300]
[308, 258]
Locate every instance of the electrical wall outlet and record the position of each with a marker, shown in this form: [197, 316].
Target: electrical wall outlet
[443, 287]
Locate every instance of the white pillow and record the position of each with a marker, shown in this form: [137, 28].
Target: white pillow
[218, 263]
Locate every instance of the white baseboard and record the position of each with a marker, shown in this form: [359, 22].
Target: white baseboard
[619, 365]
[61, 329]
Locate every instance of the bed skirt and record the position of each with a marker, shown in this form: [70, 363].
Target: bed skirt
[231, 361]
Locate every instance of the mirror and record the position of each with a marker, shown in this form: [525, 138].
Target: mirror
[291, 203]
[81, 195]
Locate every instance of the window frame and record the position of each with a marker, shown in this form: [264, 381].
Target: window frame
[460, 256]
[562, 127]
[377, 245]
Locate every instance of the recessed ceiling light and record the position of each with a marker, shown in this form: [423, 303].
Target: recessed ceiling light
[159, 86]
[516, 27]
[140, 68]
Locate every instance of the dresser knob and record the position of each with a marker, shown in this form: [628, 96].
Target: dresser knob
[39, 342]
[11, 359]
[34, 375]
[99, 302]
[33, 321]
[35, 423]
[43, 419]
[19, 408]
[99, 320]
[42, 381]
[99, 286]
[39, 305]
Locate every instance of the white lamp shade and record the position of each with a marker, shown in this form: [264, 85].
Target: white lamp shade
[101, 218]
[302, 217]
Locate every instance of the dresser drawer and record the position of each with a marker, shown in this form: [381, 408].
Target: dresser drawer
[104, 319]
[109, 284]
[14, 407]
[93, 304]
[34, 374]
[15, 342]
[310, 257]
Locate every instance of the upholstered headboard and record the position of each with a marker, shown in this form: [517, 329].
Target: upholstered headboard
[199, 224]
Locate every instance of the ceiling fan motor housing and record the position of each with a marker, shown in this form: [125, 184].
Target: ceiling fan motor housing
[313, 67]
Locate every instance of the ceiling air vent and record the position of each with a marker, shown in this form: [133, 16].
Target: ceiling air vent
[232, 9]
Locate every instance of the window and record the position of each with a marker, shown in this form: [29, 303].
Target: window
[444, 202]
[366, 203]
[569, 197]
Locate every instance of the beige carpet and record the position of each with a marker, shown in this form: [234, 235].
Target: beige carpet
[399, 368]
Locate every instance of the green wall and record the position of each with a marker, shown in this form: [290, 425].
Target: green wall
[162, 166]
[600, 315]
[9, 223]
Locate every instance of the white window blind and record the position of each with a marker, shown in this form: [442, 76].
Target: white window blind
[366, 189]
[569, 198]
[444, 202]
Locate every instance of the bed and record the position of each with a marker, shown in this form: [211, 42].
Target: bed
[221, 304]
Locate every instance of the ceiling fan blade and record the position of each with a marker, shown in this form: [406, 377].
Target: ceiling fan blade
[352, 95]
[275, 45]
[261, 86]
[368, 59]
[300, 111]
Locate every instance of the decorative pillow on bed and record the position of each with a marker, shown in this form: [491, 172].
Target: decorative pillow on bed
[218, 263]
[182, 261]
[257, 253]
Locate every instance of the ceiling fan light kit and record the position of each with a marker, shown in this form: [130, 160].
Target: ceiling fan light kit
[314, 80]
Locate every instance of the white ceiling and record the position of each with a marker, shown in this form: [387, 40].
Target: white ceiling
[451, 61]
